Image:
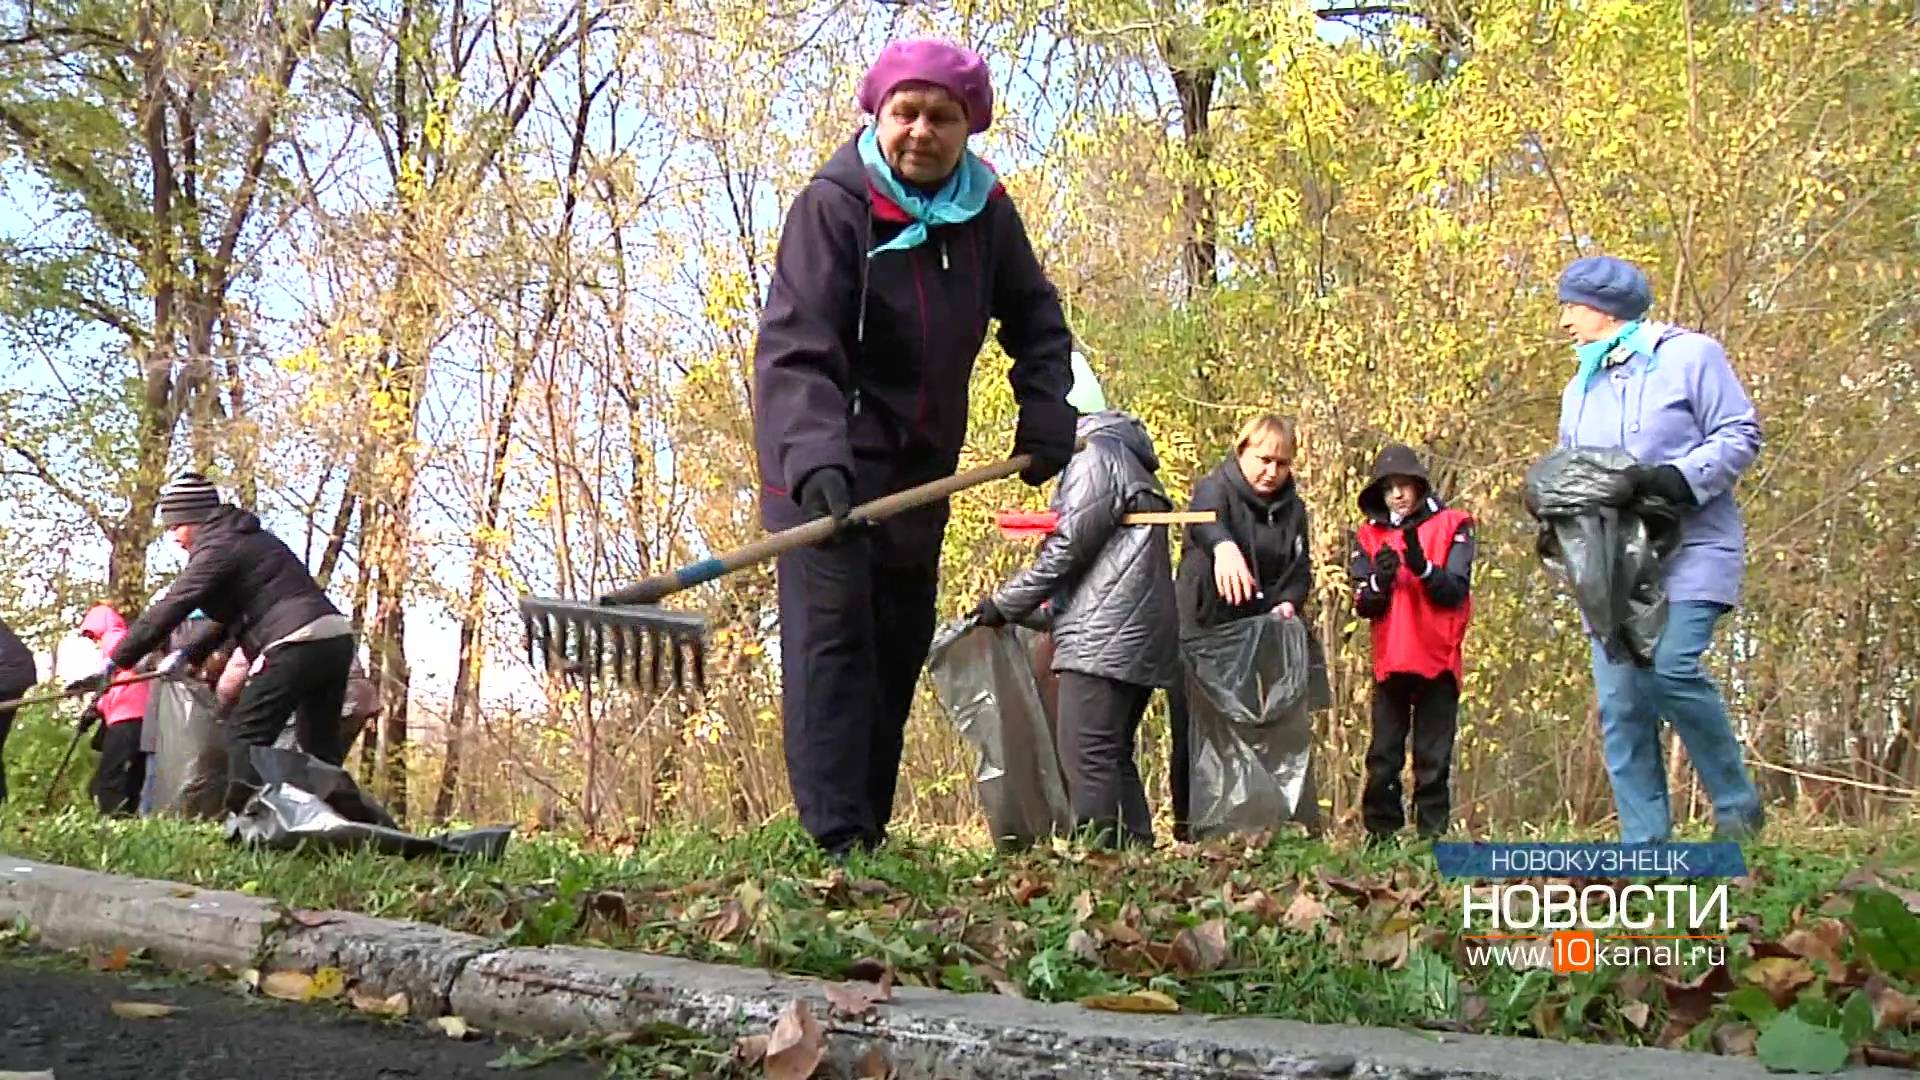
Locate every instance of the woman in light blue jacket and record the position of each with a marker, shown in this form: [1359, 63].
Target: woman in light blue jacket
[1667, 396]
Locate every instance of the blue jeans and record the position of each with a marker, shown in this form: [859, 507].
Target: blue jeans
[1633, 702]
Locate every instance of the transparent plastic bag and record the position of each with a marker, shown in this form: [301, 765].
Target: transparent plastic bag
[1251, 688]
[985, 680]
[1611, 548]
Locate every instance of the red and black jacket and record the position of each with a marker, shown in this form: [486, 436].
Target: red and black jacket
[1419, 624]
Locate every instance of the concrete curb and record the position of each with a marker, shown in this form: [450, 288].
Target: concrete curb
[927, 1034]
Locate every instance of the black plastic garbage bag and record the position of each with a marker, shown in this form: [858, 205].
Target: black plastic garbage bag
[189, 763]
[304, 800]
[1252, 687]
[1610, 547]
[983, 678]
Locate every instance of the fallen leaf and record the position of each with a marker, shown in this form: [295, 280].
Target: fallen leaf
[1304, 913]
[1780, 977]
[113, 961]
[287, 985]
[1546, 1018]
[1633, 985]
[797, 1044]
[1820, 941]
[730, 921]
[873, 1065]
[248, 980]
[750, 1050]
[1735, 1040]
[42, 1075]
[1636, 1013]
[311, 919]
[1026, 890]
[1140, 1001]
[1891, 1008]
[849, 1002]
[453, 1027]
[869, 969]
[393, 1005]
[1392, 945]
[1474, 1010]
[142, 1010]
[184, 892]
[1121, 934]
[1875, 1055]
[1081, 944]
[1200, 949]
[1083, 907]
[329, 983]
[606, 910]
[1260, 905]
[1790, 1044]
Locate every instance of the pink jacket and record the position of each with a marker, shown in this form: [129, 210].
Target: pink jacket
[120, 704]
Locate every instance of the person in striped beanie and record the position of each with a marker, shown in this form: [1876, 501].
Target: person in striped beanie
[255, 590]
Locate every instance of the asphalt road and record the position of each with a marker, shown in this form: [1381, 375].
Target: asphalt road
[54, 1016]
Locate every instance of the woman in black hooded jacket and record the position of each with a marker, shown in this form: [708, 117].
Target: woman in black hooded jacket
[18, 674]
[1252, 559]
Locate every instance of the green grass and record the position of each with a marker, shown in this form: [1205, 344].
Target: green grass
[1055, 924]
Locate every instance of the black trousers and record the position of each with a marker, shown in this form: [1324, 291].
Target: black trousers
[1429, 711]
[123, 769]
[307, 681]
[854, 634]
[7, 693]
[1099, 724]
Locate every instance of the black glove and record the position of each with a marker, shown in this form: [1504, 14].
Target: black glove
[1661, 481]
[824, 493]
[1046, 431]
[1386, 563]
[1416, 558]
[986, 614]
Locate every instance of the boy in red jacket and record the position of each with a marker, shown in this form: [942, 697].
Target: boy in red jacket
[1412, 568]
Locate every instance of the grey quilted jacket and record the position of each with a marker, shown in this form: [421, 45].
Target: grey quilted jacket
[1108, 587]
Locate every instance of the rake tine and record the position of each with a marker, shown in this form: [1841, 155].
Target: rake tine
[699, 667]
[599, 646]
[679, 667]
[619, 654]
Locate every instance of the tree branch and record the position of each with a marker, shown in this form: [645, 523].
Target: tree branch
[58, 486]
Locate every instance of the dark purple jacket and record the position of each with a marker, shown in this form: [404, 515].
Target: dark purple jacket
[865, 364]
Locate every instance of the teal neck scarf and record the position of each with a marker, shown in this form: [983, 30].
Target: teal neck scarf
[1638, 336]
[960, 199]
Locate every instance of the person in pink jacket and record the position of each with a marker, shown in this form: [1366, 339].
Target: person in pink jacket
[123, 768]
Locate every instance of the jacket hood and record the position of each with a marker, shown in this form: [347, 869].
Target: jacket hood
[845, 170]
[1395, 460]
[1125, 428]
[230, 519]
[102, 620]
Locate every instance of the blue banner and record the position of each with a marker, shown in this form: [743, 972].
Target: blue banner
[1575, 860]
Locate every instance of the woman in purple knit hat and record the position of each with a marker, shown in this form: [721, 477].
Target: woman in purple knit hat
[893, 260]
[1667, 396]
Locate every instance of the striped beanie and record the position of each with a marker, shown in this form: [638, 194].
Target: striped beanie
[188, 500]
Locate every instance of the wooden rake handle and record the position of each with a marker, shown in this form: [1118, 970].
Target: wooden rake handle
[814, 532]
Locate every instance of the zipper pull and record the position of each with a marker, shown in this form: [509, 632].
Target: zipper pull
[943, 256]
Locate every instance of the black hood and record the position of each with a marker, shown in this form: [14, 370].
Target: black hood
[1396, 460]
[1124, 427]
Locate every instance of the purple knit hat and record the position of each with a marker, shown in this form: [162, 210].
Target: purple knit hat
[959, 71]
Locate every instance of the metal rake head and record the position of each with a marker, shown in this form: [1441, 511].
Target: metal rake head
[638, 646]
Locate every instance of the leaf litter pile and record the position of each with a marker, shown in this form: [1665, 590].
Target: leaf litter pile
[1822, 967]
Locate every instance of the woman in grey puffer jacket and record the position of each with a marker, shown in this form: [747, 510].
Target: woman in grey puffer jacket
[1109, 590]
